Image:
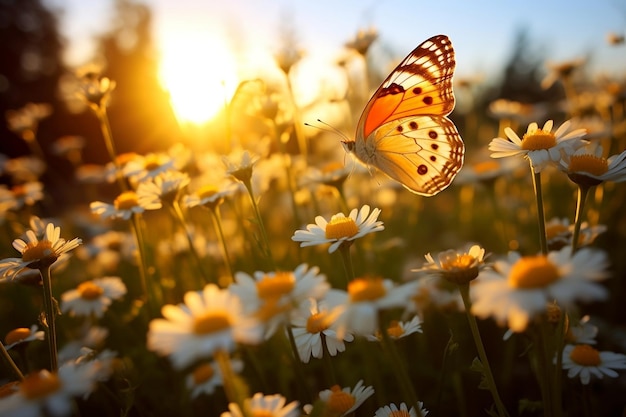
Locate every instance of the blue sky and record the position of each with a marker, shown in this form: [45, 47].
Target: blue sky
[481, 30]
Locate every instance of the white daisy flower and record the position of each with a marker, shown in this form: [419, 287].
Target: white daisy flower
[399, 329]
[209, 320]
[343, 401]
[43, 393]
[539, 145]
[365, 298]
[582, 332]
[142, 168]
[205, 377]
[585, 361]
[272, 295]
[239, 164]
[316, 319]
[210, 195]
[588, 166]
[392, 410]
[340, 228]
[92, 297]
[520, 288]
[164, 187]
[37, 251]
[264, 405]
[18, 196]
[125, 205]
[457, 266]
[22, 335]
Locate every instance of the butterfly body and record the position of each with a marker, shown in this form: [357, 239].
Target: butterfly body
[404, 131]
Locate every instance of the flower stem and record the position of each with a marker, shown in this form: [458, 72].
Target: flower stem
[482, 355]
[583, 191]
[50, 315]
[540, 214]
[236, 390]
[265, 242]
[406, 386]
[11, 362]
[148, 290]
[328, 363]
[217, 222]
[105, 127]
[344, 250]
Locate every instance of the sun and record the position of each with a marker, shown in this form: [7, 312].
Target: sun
[198, 71]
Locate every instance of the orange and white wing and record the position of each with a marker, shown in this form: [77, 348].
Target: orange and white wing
[423, 153]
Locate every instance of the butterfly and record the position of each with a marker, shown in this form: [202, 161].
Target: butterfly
[404, 131]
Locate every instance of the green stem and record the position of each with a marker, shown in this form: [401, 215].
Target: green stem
[105, 127]
[482, 355]
[235, 391]
[328, 363]
[406, 386]
[11, 362]
[583, 191]
[148, 290]
[50, 314]
[299, 369]
[558, 366]
[217, 222]
[545, 352]
[540, 214]
[180, 216]
[344, 250]
[265, 244]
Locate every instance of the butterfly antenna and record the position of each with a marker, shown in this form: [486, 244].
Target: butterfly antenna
[328, 128]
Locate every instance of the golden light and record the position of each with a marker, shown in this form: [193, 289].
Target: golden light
[199, 72]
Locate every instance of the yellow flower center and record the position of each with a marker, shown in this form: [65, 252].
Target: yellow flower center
[538, 140]
[485, 167]
[340, 226]
[555, 230]
[275, 286]
[38, 250]
[90, 291]
[17, 335]
[366, 289]
[211, 322]
[588, 163]
[585, 355]
[456, 262]
[39, 384]
[317, 323]
[202, 373]
[152, 162]
[533, 272]
[395, 330]
[126, 201]
[207, 191]
[271, 308]
[339, 401]
[399, 413]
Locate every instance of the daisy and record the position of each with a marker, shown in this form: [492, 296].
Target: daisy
[340, 228]
[24, 169]
[539, 145]
[125, 205]
[392, 410]
[273, 294]
[457, 266]
[22, 335]
[315, 320]
[210, 320]
[559, 233]
[399, 329]
[164, 187]
[582, 332]
[94, 89]
[210, 195]
[240, 165]
[264, 405]
[521, 287]
[586, 166]
[45, 393]
[367, 296]
[585, 361]
[18, 196]
[343, 401]
[37, 252]
[141, 168]
[205, 377]
[92, 297]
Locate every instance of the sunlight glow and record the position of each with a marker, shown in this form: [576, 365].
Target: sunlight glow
[199, 72]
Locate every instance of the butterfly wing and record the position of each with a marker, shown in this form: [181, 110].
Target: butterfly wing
[395, 132]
